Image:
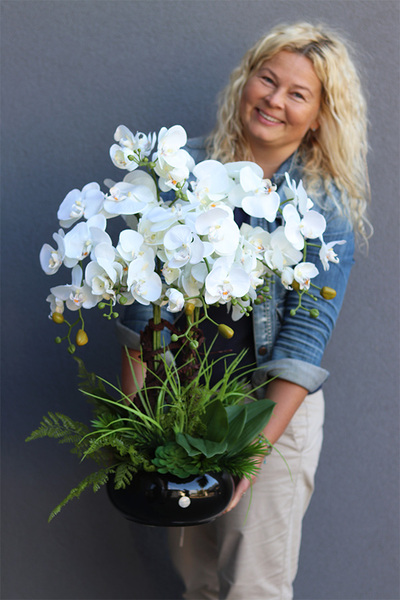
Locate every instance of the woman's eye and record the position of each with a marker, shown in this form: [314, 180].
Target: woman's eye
[268, 79]
[298, 95]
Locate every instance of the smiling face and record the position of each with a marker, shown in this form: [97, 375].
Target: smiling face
[280, 103]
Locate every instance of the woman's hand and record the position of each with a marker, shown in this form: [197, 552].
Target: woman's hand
[240, 490]
[288, 397]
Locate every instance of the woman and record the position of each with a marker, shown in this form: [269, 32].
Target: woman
[294, 104]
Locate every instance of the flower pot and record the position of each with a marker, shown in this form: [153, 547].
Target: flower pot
[167, 501]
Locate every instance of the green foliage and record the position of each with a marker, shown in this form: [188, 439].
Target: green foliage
[187, 428]
[94, 480]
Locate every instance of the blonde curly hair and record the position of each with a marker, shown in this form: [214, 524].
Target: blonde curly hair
[337, 150]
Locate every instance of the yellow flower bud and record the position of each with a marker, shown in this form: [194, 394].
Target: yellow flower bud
[226, 331]
[295, 285]
[57, 317]
[81, 338]
[328, 293]
[189, 309]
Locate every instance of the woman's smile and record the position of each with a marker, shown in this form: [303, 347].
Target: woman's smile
[280, 103]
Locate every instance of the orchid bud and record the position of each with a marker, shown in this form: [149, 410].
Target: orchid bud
[189, 309]
[57, 317]
[174, 337]
[328, 293]
[81, 338]
[314, 313]
[194, 344]
[226, 331]
[295, 285]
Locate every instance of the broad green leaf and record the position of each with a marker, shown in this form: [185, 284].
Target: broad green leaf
[206, 447]
[258, 414]
[236, 425]
[216, 421]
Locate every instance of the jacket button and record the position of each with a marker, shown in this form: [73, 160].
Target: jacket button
[262, 351]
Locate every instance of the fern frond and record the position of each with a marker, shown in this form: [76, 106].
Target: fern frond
[95, 480]
[123, 475]
[61, 427]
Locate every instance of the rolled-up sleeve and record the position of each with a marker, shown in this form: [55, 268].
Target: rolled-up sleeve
[300, 344]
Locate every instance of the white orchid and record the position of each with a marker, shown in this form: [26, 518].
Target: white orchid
[327, 254]
[104, 272]
[77, 294]
[164, 217]
[182, 246]
[143, 283]
[137, 141]
[80, 203]
[259, 196]
[83, 238]
[226, 281]
[257, 237]
[56, 305]
[130, 148]
[303, 273]
[50, 258]
[287, 277]
[130, 245]
[170, 274]
[220, 230]
[298, 195]
[173, 164]
[281, 253]
[176, 300]
[312, 225]
[131, 196]
[212, 184]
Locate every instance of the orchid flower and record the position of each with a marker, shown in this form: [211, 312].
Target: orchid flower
[327, 254]
[212, 184]
[80, 203]
[125, 154]
[281, 252]
[173, 164]
[226, 281]
[77, 294]
[182, 246]
[220, 229]
[303, 273]
[259, 196]
[298, 194]
[312, 225]
[143, 283]
[51, 259]
[56, 305]
[83, 238]
[176, 300]
[132, 195]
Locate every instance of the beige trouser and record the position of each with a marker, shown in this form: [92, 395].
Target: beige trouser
[256, 558]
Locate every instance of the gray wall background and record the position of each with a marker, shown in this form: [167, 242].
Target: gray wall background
[72, 70]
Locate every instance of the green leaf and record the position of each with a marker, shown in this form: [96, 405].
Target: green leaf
[237, 419]
[216, 421]
[194, 446]
[258, 413]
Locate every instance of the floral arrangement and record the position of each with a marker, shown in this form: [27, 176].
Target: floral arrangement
[181, 249]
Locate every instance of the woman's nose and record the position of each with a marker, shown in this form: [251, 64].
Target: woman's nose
[275, 98]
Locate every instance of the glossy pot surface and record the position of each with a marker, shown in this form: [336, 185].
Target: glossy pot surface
[167, 501]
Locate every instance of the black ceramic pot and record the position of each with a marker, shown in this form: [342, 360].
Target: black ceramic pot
[163, 500]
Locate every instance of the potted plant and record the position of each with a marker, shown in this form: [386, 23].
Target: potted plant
[168, 456]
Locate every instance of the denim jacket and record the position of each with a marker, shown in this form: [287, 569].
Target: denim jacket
[287, 347]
